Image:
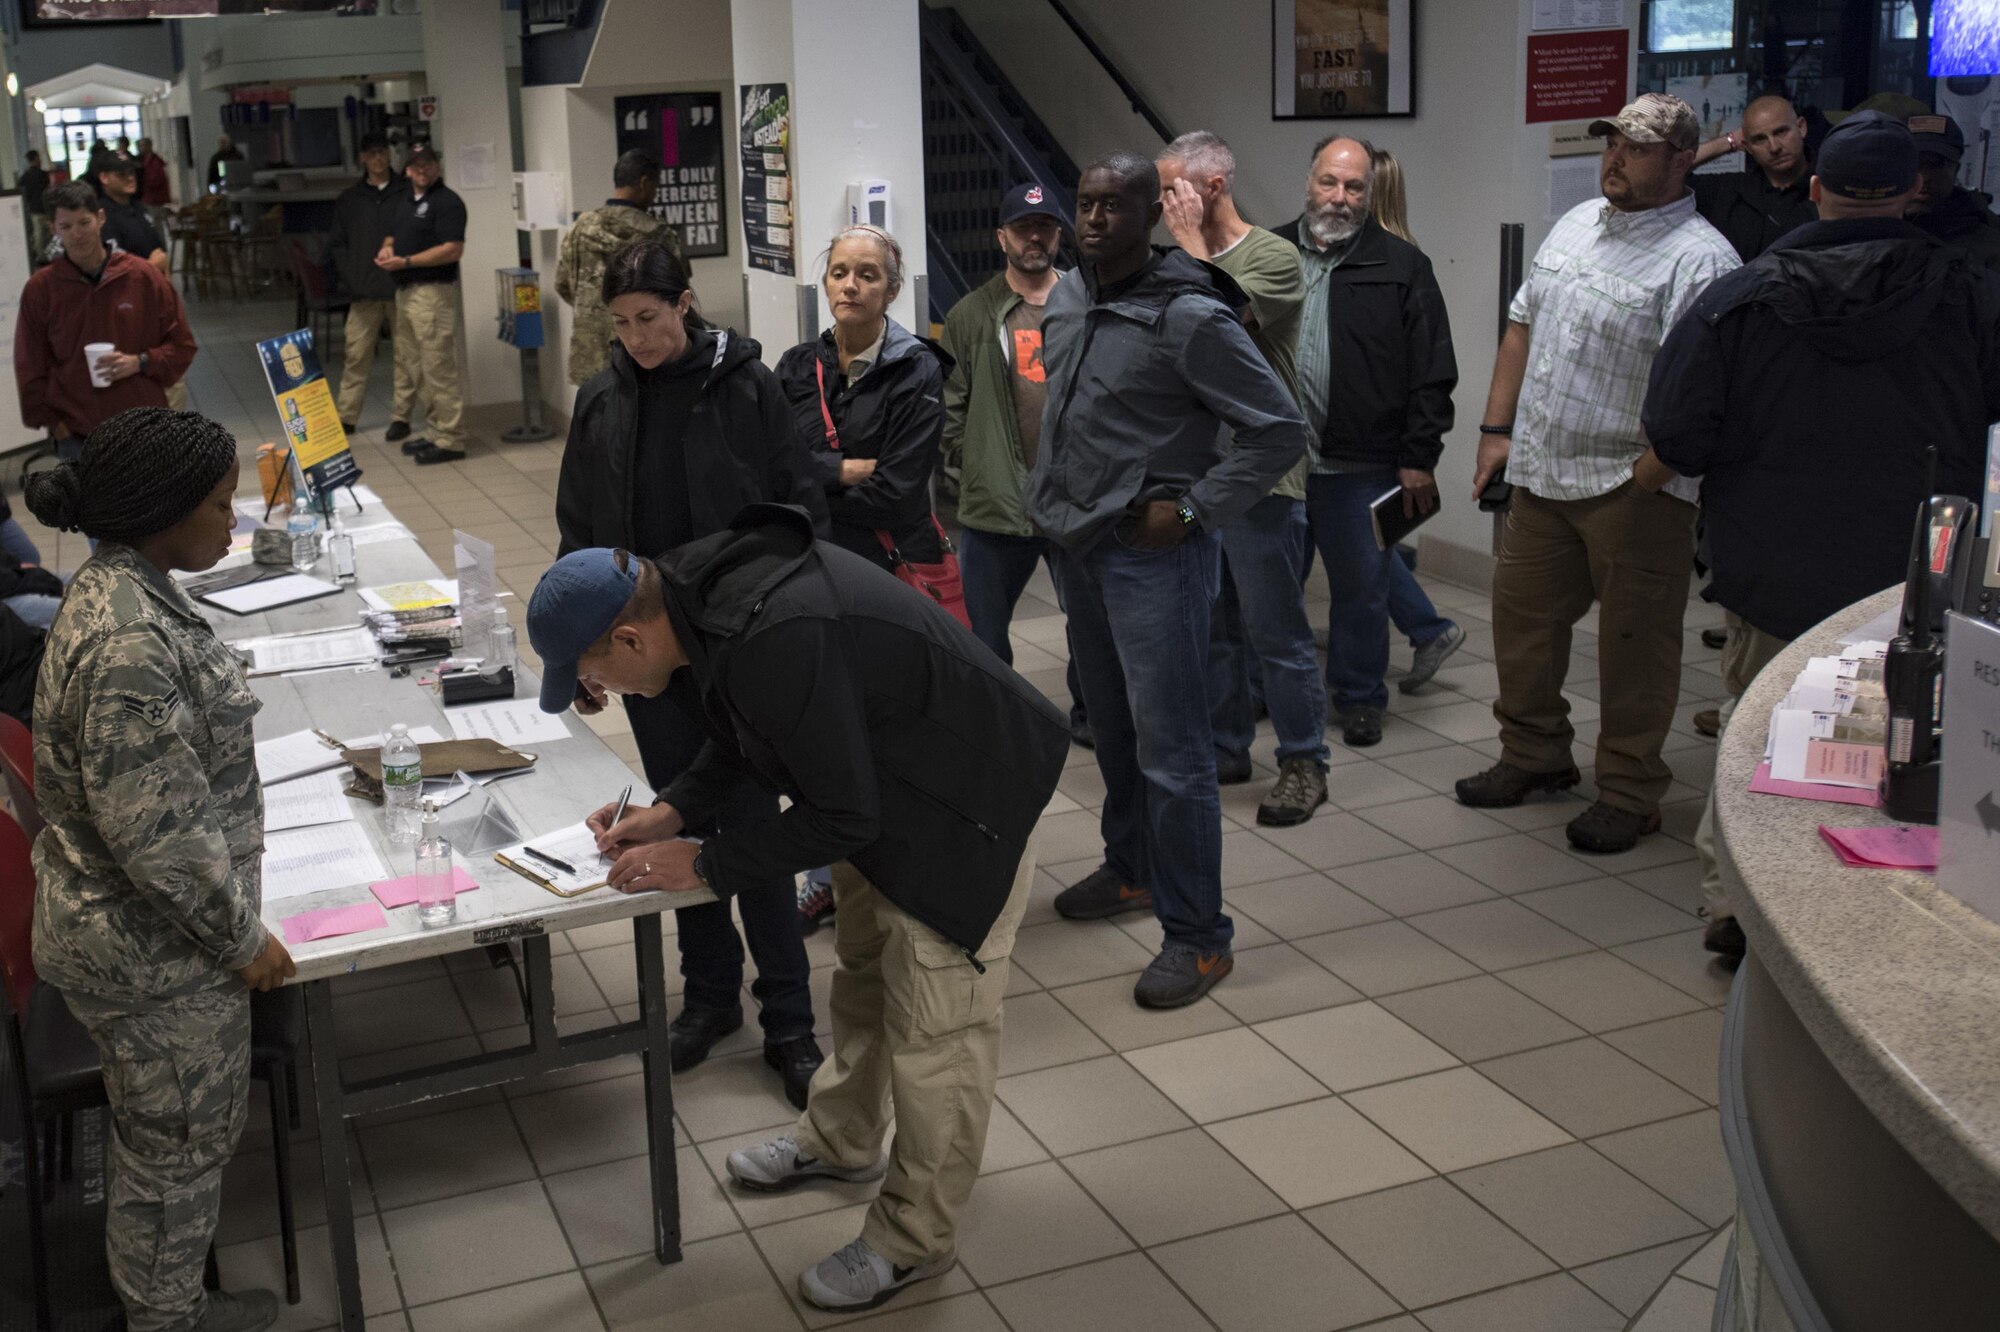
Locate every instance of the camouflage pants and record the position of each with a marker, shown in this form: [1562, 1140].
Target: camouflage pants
[177, 1072]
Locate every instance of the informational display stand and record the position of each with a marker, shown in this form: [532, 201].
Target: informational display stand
[310, 420]
[1969, 796]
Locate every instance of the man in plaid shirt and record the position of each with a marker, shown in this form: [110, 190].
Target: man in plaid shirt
[1562, 416]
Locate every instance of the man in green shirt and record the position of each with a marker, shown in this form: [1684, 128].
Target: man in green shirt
[1260, 618]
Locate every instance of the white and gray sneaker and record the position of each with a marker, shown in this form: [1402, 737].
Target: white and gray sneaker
[772, 1166]
[856, 1277]
[1430, 656]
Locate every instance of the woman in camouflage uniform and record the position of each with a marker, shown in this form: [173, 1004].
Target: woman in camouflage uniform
[147, 890]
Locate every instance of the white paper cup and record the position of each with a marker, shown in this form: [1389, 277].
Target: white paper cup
[92, 351]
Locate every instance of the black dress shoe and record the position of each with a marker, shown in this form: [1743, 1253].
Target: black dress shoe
[412, 447]
[431, 453]
[1080, 734]
[1361, 727]
[796, 1062]
[695, 1032]
[1714, 638]
[1232, 769]
[397, 430]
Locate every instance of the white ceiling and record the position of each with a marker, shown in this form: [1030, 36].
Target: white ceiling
[95, 85]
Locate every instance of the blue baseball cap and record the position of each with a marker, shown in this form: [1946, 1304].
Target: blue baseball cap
[1868, 156]
[574, 605]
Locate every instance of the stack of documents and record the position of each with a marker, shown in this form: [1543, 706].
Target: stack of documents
[1829, 730]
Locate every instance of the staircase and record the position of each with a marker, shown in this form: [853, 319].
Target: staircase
[980, 139]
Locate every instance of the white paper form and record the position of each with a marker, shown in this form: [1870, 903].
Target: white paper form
[307, 860]
[575, 846]
[378, 533]
[270, 593]
[340, 648]
[306, 802]
[287, 756]
[514, 723]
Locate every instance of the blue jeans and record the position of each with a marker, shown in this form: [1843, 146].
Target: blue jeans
[994, 568]
[1138, 626]
[1361, 578]
[1264, 567]
[711, 951]
[36, 609]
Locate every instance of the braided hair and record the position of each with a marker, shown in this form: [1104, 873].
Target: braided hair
[140, 473]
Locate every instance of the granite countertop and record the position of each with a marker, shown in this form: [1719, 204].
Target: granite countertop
[1898, 981]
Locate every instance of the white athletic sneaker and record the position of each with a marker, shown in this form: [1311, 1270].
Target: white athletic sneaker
[778, 1164]
[856, 1277]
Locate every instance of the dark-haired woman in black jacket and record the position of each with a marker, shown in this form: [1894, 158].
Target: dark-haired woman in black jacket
[682, 429]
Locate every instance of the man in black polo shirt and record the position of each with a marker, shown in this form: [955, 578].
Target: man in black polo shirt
[1752, 208]
[125, 219]
[425, 242]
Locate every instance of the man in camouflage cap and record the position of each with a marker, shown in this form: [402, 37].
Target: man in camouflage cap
[625, 217]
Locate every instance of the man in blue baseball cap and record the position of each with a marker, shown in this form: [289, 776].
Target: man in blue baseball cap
[1803, 389]
[916, 764]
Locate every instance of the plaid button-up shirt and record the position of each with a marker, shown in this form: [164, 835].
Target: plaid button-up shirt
[1600, 297]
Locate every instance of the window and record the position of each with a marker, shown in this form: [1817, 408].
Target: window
[1689, 25]
[67, 133]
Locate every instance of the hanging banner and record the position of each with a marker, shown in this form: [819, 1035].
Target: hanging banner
[126, 11]
[307, 413]
[683, 130]
[1577, 75]
[1336, 59]
[764, 136]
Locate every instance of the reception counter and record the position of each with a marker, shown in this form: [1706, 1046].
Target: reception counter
[1860, 1064]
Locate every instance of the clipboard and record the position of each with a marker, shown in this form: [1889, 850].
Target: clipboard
[564, 844]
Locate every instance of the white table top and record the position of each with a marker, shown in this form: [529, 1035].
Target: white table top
[571, 778]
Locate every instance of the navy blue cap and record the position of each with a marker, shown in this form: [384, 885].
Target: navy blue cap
[1868, 156]
[1027, 200]
[1939, 136]
[574, 605]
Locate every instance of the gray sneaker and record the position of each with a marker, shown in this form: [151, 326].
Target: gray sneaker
[239, 1311]
[1179, 976]
[1299, 790]
[856, 1277]
[1431, 656]
[773, 1166]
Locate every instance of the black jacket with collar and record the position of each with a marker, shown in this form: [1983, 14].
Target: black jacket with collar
[895, 415]
[362, 217]
[1389, 357]
[740, 450]
[905, 746]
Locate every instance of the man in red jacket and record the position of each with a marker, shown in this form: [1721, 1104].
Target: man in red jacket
[94, 295]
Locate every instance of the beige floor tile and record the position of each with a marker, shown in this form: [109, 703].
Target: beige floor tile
[607, 1210]
[1681, 1306]
[1009, 1145]
[1537, 1306]
[1456, 1119]
[1479, 1018]
[1278, 981]
[1628, 1281]
[1681, 961]
[1306, 905]
[1078, 1107]
[1600, 992]
[1705, 1267]
[377, 1020]
[1683, 1050]
[1427, 1242]
[759, 1209]
[1433, 821]
[1660, 849]
[552, 1304]
[1356, 1045]
[1249, 857]
[1385, 958]
[730, 1095]
[476, 1241]
[960, 1313]
[1683, 1159]
[1107, 1008]
[1407, 884]
[1607, 911]
[1038, 1032]
[1515, 864]
[1318, 1152]
[793, 1246]
[1500, 933]
[1589, 1088]
[721, 1285]
[1170, 1187]
[438, 1156]
[590, 1123]
[1064, 837]
[1067, 951]
[1364, 785]
[1678, 885]
[1273, 1276]
[1575, 1205]
[1123, 1294]
[250, 1190]
[1223, 1074]
[261, 1264]
[1323, 842]
[1032, 1220]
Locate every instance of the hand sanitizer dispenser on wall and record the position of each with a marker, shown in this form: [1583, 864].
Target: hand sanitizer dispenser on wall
[868, 202]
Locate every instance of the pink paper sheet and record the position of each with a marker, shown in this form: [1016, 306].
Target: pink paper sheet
[403, 891]
[1884, 848]
[1765, 784]
[328, 922]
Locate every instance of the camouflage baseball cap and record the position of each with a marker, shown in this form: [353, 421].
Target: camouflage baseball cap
[1653, 118]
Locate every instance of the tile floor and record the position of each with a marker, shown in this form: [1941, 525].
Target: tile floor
[1462, 1080]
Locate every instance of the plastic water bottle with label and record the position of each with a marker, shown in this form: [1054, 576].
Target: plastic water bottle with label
[340, 552]
[303, 527]
[403, 784]
[437, 895]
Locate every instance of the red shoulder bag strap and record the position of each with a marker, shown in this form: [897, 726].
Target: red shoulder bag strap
[833, 442]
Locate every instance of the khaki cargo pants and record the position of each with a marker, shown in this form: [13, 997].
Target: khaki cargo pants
[427, 351]
[1747, 651]
[365, 322]
[916, 1028]
[177, 1074]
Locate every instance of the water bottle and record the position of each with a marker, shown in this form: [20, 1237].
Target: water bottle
[402, 784]
[437, 895]
[340, 551]
[303, 527]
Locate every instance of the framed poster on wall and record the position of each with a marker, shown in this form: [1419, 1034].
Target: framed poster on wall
[1342, 59]
[683, 130]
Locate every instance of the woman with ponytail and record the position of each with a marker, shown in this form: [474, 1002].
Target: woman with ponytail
[148, 890]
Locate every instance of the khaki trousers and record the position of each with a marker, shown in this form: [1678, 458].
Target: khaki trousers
[427, 350]
[365, 322]
[1632, 552]
[916, 1027]
[177, 395]
[1747, 651]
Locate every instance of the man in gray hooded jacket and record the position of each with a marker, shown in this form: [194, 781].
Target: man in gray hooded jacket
[1147, 361]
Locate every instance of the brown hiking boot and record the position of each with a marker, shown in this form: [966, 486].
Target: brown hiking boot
[1709, 723]
[1503, 785]
[1606, 830]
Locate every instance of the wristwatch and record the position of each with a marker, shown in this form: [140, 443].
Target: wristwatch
[1185, 512]
[145, 362]
[702, 869]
